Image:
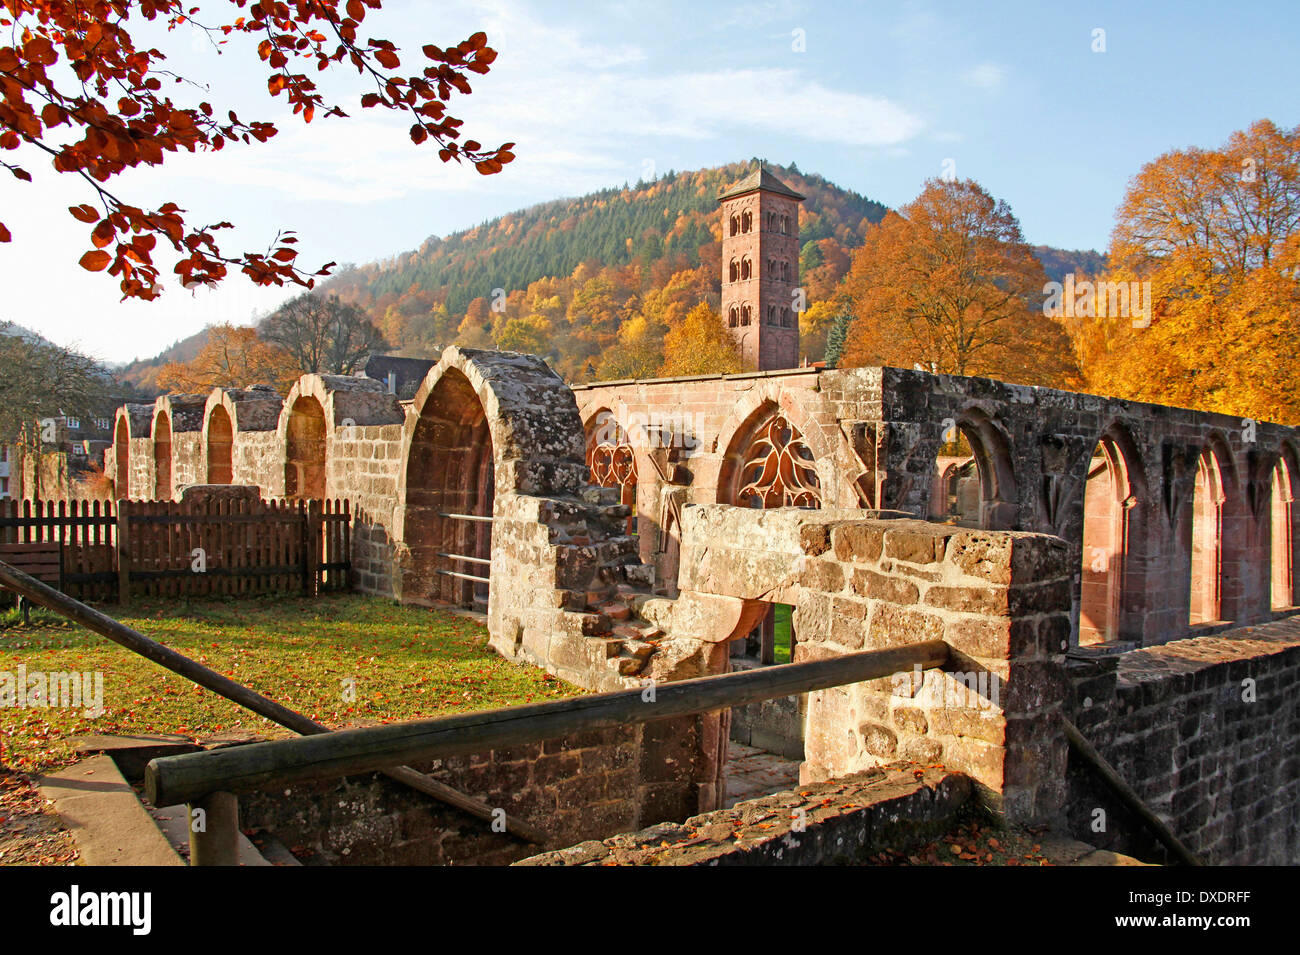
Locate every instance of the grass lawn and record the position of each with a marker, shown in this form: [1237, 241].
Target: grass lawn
[783, 632]
[338, 659]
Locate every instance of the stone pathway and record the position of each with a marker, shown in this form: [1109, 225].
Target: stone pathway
[753, 772]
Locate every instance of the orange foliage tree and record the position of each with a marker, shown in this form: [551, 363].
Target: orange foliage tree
[77, 87]
[234, 356]
[700, 345]
[1216, 234]
[949, 284]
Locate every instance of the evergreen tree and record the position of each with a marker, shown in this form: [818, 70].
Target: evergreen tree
[836, 336]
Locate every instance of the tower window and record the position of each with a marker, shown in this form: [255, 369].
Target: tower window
[746, 268]
[735, 225]
[733, 317]
[785, 318]
[744, 315]
[734, 270]
[785, 271]
[746, 222]
[785, 225]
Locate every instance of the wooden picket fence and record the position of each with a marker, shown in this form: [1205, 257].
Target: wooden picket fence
[170, 549]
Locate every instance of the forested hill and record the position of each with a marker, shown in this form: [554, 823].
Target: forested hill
[670, 219]
[595, 283]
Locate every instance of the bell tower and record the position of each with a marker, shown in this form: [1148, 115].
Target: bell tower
[760, 269]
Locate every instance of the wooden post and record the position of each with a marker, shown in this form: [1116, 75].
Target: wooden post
[123, 554]
[214, 829]
[311, 558]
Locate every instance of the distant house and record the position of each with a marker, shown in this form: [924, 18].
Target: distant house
[70, 448]
[401, 376]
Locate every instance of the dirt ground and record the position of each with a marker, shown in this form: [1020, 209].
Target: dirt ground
[30, 832]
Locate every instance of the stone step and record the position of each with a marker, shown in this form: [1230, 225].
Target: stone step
[105, 816]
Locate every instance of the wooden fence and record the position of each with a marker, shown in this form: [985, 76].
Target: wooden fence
[170, 549]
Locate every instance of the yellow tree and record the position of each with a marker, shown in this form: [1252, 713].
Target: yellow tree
[1213, 236]
[699, 345]
[639, 352]
[233, 356]
[949, 284]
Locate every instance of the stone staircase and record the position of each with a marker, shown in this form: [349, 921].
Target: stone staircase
[610, 604]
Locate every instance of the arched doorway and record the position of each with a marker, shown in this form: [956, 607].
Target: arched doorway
[1282, 549]
[122, 459]
[1109, 502]
[450, 489]
[304, 465]
[1207, 540]
[162, 457]
[221, 438]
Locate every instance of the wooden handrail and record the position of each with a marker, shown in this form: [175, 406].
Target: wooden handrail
[181, 779]
[137, 642]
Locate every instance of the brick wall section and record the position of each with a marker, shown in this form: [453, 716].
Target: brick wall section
[827, 823]
[1223, 772]
[1000, 600]
[586, 786]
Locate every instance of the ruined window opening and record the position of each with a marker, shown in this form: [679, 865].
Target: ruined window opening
[221, 437]
[1207, 541]
[1282, 536]
[612, 461]
[973, 481]
[162, 458]
[304, 466]
[1107, 504]
[122, 460]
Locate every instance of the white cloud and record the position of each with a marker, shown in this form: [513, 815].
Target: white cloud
[985, 76]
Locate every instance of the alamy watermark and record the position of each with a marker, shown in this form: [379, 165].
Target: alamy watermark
[1087, 299]
[35, 689]
[652, 429]
[976, 689]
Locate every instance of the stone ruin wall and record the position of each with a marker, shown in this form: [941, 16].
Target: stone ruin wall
[573, 594]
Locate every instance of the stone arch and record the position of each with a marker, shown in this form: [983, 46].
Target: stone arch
[162, 456]
[749, 411]
[769, 463]
[219, 441]
[122, 456]
[1209, 494]
[1115, 511]
[1283, 552]
[517, 425]
[305, 439]
[974, 437]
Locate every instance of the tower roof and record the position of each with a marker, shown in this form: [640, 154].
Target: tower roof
[760, 178]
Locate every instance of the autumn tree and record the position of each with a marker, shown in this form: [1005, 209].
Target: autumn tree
[1211, 237]
[949, 284]
[700, 345]
[78, 89]
[323, 334]
[234, 356]
[42, 381]
[638, 353]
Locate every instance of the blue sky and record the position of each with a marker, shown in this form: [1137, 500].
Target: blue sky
[598, 94]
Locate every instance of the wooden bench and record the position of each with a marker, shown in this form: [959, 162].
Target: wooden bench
[43, 560]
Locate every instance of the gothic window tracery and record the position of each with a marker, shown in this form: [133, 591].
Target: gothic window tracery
[612, 461]
[777, 469]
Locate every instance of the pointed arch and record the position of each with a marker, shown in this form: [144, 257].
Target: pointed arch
[1113, 541]
[162, 456]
